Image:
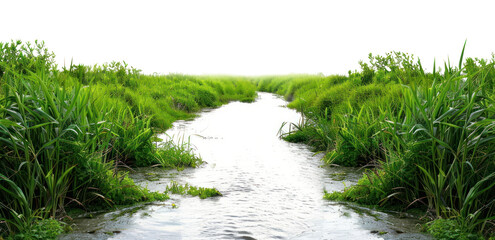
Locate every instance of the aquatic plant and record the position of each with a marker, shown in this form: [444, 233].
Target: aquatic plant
[177, 154]
[201, 192]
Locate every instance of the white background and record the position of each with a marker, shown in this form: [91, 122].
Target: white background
[251, 37]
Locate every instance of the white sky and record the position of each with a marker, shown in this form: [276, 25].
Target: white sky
[250, 37]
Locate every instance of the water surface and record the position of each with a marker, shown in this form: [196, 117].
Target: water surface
[271, 189]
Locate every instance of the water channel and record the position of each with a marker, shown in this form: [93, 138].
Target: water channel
[271, 189]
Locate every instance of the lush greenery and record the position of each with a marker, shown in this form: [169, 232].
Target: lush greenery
[65, 133]
[166, 98]
[428, 139]
[42, 229]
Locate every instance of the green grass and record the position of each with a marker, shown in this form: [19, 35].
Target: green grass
[426, 138]
[187, 189]
[448, 229]
[66, 133]
[165, 98]
[43, 229]
[177, 155]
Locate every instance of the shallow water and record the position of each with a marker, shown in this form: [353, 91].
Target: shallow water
[271, 189]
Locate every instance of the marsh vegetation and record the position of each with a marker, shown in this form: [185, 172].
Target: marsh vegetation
[427, 139]
[70, 135]
[66, 133]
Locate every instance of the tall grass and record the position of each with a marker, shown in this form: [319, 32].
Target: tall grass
[55, 143]
[426, 138]
[453, 123]
[164, 98]
[429, 137]
[65, 134]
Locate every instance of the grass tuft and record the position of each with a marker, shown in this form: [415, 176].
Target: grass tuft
[201, 192]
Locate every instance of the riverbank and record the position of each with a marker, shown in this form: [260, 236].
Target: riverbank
[426, 138]
[66, 133]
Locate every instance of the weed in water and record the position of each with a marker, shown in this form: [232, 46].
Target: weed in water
[201, 192]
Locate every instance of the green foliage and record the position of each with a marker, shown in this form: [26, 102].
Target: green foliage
[24, 58]
[393, 67]
[429, 136]
[120, 190]
[43, 229]
[201, 192]
[314, 133]
[134, 146]
[64, 134]
[430, 140]
[177, 155]
[454, 119]
[448, 229]
[172, 97]
[205, 97]
[298, 136]
[53, 140]
[369, 190]
[356, 143]
[112, 73]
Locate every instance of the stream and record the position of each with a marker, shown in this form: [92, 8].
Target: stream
[271, 189]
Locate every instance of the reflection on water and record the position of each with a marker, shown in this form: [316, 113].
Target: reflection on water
[271, 189]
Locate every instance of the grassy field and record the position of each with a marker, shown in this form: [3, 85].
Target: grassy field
[66, 133]
[427, 139]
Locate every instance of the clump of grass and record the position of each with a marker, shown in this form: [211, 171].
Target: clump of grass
[177, 154]
[42, 229]
[119, 189]
[449, 229]
[201, 192]
[56, 151]
[317, 132]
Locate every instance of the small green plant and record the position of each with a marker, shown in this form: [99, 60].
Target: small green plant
[43, 229]
[171, 154]
[448, 229]
[201, 192]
